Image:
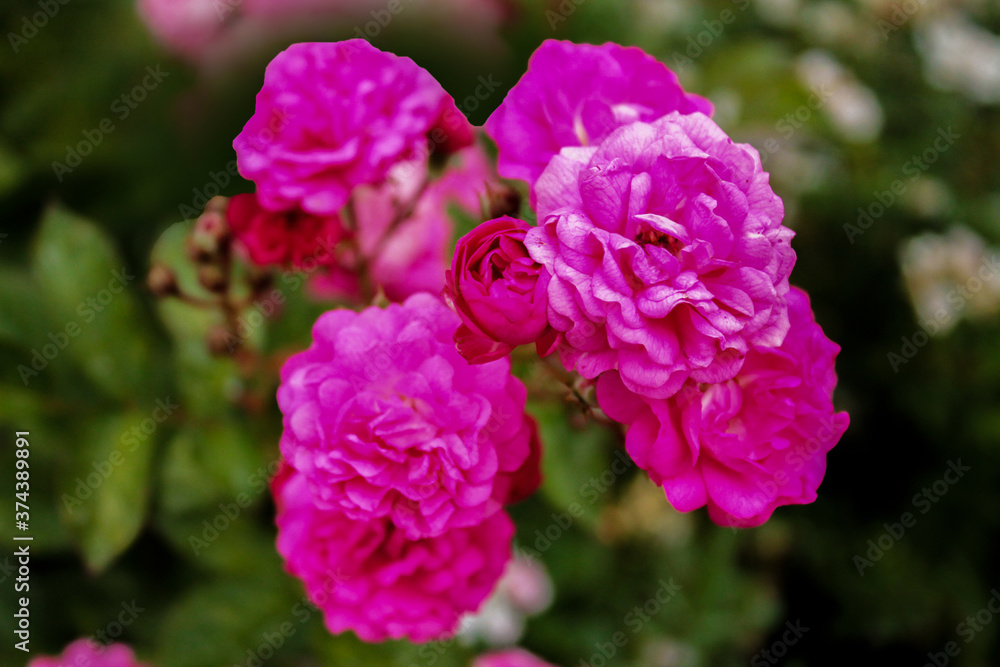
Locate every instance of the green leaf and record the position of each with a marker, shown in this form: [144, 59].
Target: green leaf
[88, 291]
[105, 494]
[212, 464]
[21, 323]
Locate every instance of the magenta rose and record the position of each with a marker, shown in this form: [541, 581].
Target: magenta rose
[497, 289]
[332, 116]
[576, 95]
[745, 446]
[386, 420]
[369, 577]
[667, 252]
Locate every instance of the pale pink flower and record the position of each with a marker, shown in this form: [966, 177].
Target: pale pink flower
[512, 657]
[404, 228]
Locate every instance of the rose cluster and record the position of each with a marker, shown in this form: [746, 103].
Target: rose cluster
[659, 270]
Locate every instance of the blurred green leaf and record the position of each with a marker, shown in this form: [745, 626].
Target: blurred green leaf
[21, 323]
[87, 289]
[106, 491]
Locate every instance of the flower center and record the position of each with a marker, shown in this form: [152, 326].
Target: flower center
[660, 239]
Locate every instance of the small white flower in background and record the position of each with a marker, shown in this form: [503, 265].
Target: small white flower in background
[671, 653]
[853, 109]
[928, 197]
[960, 55]
[524, 590]
[951, 275]
[829, 22]
[781, 13]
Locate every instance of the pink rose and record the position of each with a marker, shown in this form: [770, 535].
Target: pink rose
[332, 116]
[667, 253]
[497, 289]
[404, 228]
[385, 420]
[576, 95]
[84, 652]
[745, 446]
[369, 577]
[188, 27]
[512, 657]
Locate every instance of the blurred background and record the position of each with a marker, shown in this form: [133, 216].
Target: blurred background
[878, 123]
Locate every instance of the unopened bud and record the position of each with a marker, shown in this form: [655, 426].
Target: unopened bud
[162, 281]
[210, 237]
[217, 205]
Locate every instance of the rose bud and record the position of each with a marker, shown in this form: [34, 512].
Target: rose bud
[498, 291]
